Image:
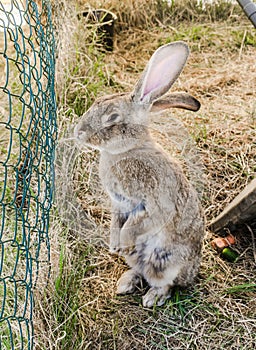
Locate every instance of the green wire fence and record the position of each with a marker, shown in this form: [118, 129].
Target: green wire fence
[27, 143]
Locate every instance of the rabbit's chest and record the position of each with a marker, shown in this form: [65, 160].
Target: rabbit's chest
[124, 197]
[114, 181]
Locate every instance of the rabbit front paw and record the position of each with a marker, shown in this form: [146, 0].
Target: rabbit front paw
[122, 251]
[114, 244]
[127, 243]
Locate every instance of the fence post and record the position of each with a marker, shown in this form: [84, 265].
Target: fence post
[27, 144]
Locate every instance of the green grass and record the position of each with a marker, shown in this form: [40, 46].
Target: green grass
[85, 73]
[201, 36]
[241, 288]
[65, 306]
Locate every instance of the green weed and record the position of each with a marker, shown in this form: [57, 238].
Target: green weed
[243, 37]
[66, 299]
[241, 288]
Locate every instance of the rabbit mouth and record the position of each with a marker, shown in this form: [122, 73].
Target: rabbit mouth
[114, 139]
[85, 137]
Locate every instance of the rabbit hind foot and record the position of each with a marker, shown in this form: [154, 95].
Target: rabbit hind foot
[156, 296]
[128, 282]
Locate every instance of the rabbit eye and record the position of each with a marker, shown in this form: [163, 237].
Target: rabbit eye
[113, 117]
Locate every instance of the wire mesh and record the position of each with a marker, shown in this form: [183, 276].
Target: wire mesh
[27, 142]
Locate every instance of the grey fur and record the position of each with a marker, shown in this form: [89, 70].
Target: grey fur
[157, 220]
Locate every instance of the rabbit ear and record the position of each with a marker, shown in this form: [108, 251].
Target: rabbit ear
[163, 68]
[176, 100]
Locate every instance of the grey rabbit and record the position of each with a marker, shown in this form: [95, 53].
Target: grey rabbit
[157, 220]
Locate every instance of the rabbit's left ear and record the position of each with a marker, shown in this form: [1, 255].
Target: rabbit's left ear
[163, 68]
[176, 100]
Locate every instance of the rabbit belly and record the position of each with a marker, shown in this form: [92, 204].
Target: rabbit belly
[159, 266]
[164, 278]
[162, 267]
[157, 270]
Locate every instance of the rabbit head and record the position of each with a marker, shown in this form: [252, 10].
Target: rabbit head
[118, 123]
